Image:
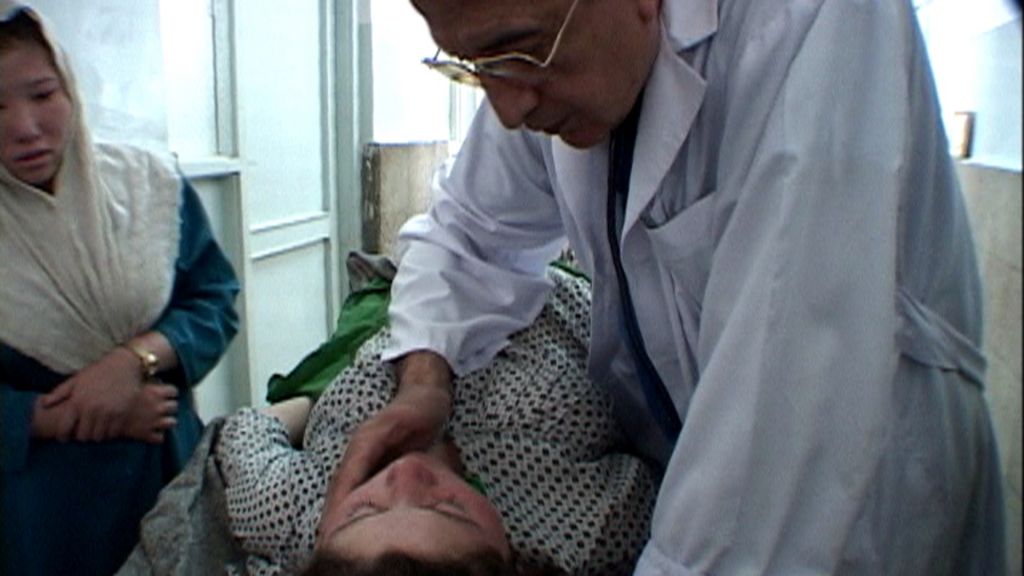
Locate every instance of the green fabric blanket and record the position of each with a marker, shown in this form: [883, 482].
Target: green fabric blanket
[364, 312]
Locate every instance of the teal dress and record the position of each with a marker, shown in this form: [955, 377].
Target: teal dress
[75, 507]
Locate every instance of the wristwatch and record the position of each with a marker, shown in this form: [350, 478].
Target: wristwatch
[150, 363]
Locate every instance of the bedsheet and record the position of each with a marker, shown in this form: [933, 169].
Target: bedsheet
[187, 532]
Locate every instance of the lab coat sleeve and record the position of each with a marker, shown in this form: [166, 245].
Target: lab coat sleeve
[789, 419]
[472, 267]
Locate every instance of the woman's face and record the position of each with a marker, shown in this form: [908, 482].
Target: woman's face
[418, 506]
[35, 115]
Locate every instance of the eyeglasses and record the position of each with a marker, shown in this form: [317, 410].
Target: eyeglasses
[500, 65]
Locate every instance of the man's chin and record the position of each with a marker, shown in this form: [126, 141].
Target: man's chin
[583, 138]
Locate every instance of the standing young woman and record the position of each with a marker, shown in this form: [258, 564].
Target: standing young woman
[115, 299]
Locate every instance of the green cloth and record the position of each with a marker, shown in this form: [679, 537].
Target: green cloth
[570, 267]
[364, 312]
[362, 315]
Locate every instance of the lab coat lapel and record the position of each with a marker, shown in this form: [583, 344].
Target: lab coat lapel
[672, 98]
[688, 22]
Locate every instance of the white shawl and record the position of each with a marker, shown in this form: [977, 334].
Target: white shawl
[92, 265]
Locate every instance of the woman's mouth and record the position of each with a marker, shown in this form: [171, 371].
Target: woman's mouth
[32, 157]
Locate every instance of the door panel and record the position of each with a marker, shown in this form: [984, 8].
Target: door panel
[283, 139]
[286, 296]
[280, 108]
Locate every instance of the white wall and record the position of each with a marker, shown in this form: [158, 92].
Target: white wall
[123, 96]
[411, 103]
[187, 29]
[975, 49]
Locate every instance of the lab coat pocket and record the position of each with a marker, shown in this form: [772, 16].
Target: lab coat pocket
[683, 247]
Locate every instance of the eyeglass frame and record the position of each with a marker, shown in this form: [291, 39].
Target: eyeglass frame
[469, 71]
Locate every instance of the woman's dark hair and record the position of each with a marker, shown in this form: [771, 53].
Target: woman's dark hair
[20, 29]
[485, 563]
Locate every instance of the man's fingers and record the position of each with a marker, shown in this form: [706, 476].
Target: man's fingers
[358, 464]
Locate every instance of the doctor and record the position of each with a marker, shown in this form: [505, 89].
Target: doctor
[786, 301]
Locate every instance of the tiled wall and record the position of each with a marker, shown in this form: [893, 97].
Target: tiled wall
[994, 201]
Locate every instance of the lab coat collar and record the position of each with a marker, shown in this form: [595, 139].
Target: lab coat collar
[672, 98]
[688, 22]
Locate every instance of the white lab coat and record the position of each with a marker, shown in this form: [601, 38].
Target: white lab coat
[803, 274]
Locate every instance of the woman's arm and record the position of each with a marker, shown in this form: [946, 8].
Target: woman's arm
[201, 319]
[293, 414]
[271, 488]
[116, 396]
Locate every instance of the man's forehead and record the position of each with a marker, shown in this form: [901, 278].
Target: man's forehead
[485, 13]
[441, 8]
[466, 24]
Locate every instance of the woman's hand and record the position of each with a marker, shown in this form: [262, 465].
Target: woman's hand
[109, 400]
[153, 413]
[56, 422]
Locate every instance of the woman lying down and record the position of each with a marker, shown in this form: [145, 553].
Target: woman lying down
[531, 478]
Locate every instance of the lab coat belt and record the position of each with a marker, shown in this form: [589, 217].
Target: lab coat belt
[930, 339]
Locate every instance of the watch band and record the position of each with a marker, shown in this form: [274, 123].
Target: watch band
[150, 363]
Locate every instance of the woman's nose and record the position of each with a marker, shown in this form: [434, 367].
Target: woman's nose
[20, 123]
[410, 479]
[512, 101]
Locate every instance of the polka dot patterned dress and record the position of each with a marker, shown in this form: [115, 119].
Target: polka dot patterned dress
[531, 426]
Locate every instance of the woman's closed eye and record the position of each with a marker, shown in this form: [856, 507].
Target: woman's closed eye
[43, 95]
[449, 507]
[452, 508]
[362, 510]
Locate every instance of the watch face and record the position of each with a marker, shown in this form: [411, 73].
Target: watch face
[150, 362]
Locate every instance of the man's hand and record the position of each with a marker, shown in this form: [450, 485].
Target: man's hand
[413, 421]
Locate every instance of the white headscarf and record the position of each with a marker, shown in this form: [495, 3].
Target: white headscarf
[92, 265]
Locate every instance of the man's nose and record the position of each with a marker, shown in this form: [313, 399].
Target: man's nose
[410, 480]
[512, 101]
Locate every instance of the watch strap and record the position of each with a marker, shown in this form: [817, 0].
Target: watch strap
[149, 361]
